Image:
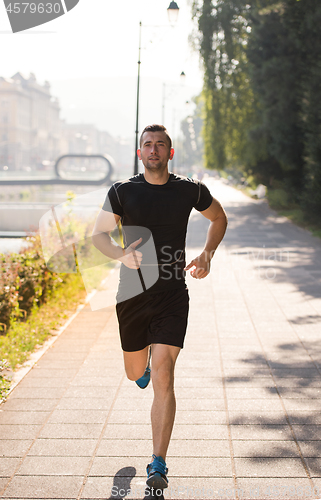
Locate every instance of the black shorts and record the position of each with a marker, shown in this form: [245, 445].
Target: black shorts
[155, 318]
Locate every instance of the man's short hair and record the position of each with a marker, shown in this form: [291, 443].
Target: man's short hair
[155, 128]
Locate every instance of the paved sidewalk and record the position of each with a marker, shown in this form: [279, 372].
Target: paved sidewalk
[248, 384]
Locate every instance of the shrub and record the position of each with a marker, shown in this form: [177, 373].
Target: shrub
[24, 281]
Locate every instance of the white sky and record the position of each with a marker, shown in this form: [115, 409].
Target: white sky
[99, 39]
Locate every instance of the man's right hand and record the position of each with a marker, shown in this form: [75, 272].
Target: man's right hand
[132, 258]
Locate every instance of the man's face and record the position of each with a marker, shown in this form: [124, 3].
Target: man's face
[154, 151]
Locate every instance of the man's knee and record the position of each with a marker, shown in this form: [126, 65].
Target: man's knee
[163, 377]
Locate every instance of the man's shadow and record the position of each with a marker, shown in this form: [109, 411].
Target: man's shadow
[122, 486]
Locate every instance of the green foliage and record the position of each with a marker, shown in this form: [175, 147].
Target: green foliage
[231, 107]
[278, 198]
[262, 87]
[275, 77]
[24, 281]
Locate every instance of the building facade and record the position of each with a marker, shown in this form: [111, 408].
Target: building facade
[30, 127]
[33, 136]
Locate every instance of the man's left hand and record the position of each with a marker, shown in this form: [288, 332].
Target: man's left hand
[200, 266]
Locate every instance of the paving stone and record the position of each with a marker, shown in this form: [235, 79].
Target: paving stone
[30, 404]
[301, 404]
[19, 431]
[194, 393]
[52, 487]
[216, 417]
[207, 382]
[23, 417]
[310, 448]
[37, 392]
[193, 404]
[50, 360]
[314, 466]
[264, 433]
[124, 448]
[304, 417]
[247, 381]
[201, 488]
[3, 482]
[307, 432]
[255, 393]
[200, 466]
[103, 392]
[8, 465]
[264, 418]
[14, 447]
[317, 488]
[101, 371]
[299, 393]
[52, 373]
[271, 467]
[182, 417]
[78, 416]
[84, 403]
[63, 447]
[133, 431]
[298, 382]
[54, 466]
[295, 372]
[200, 371]
[44, 382]
[71, 431]
[93, 382]
[276, 488]
[265, 449]
[254, 404]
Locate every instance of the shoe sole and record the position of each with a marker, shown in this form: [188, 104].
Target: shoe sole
[157, 482]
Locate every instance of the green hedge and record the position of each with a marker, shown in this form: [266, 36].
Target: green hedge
[24, 281]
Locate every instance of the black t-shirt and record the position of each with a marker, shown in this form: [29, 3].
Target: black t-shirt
[161, 211]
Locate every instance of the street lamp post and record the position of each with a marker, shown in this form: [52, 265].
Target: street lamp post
[137, 101]
[172, 12]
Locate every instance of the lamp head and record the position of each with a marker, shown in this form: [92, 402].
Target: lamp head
[172, 11]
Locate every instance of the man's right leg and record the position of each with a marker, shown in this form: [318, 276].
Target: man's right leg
[135, 363]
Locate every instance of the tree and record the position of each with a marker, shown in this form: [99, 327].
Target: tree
[262, 87]
[275, 77]
[230, 104]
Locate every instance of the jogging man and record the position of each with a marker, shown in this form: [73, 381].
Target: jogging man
[156, 203]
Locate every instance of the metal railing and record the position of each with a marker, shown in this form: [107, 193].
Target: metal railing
[62, 177]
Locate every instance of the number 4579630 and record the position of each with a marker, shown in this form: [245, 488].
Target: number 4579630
[32, 7]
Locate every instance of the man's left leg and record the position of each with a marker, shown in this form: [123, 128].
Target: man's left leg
[164, 404]
[163, 410]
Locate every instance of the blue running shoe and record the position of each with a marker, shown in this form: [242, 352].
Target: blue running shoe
[156, 472]
[143, 381]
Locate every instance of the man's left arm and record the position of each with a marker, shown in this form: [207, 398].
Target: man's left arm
[201, 264]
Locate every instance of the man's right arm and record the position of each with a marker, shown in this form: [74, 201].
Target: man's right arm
[104, 225]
